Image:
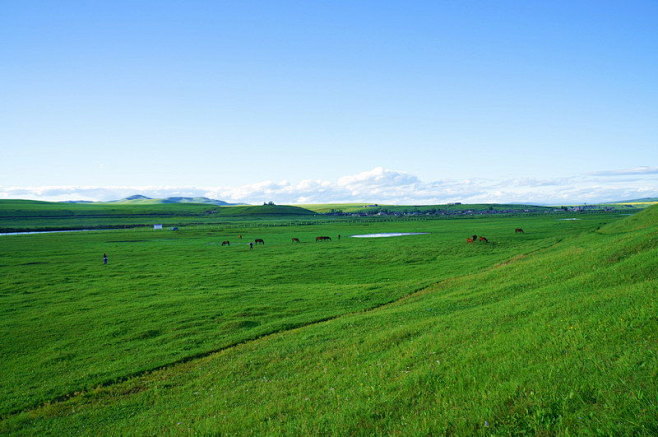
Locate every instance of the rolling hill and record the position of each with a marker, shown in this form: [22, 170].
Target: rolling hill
[551, 332]
[140, 199]
[18, 215]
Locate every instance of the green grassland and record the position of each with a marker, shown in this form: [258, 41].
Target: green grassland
[18, 215]
[552, 331]
[28, 215]
[361, 208]
[356, 208]
[329, 207]
[638, 204]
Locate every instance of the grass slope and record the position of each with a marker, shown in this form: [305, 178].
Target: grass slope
[549, 332]
[361, 207]
[22, 215]
[138, 199]
[329, 207]
[643, 200]
[173, 295]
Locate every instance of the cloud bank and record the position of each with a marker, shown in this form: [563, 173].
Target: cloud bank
[644, 170]
[382, 185]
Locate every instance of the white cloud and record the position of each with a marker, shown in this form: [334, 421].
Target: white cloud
[643, 170]
[379, 177]
[384, 186]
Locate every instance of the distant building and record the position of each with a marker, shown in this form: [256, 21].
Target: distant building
[157, 227]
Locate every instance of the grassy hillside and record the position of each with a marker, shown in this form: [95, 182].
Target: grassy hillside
[22, 214]
[10, 208]
[264, 210]
[552, 331]
[374, 208]
[329, 207]
[647, 219]
[143, 200]
[644, 200]
[172, 295]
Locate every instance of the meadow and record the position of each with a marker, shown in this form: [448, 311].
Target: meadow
[549, 331]
[29, 215]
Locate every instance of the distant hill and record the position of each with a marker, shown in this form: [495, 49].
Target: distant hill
[22, 215]
[197, 200]
[264, 210]
[140, 199]
[374, 208]
[643, 200]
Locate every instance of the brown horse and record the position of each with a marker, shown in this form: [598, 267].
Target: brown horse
[483, 239]
[295, 240]
[322, 239]
[519, 230]
[258, 241]
[226, 243]
[469, 240]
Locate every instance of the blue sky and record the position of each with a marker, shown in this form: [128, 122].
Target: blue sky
[311, 101]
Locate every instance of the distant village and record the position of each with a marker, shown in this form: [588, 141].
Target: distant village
[376, 210]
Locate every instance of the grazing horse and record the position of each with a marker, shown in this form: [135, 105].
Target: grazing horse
[483, 239]
[226, 243]
[295, 240]
[469, 240]
[322, 239]
[517, 230]
[258, 241]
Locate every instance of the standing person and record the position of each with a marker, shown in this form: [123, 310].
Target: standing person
[251, 245]
[339, 236]
[104, 258]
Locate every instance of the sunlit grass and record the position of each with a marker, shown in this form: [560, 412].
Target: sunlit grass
[551, 331]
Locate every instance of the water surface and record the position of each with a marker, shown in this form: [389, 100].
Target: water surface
[52, 232]
[388, 234]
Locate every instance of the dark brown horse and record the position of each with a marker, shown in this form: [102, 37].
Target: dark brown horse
[519, 230]
[258, 241]
[483, 239]
[226, 243]
[322, 239]
[295, 240]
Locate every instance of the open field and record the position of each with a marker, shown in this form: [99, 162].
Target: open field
[329, 207]
[356, 208]
[640, 204]
[17, 215]
[360, 207]
[548, 331]
[28, 215]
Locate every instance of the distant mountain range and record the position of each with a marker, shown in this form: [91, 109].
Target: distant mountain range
[138, 198]
[141, 199]
[644, 199]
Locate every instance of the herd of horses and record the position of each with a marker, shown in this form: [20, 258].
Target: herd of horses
[257, 241]
[261, 241]
[475, 238]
